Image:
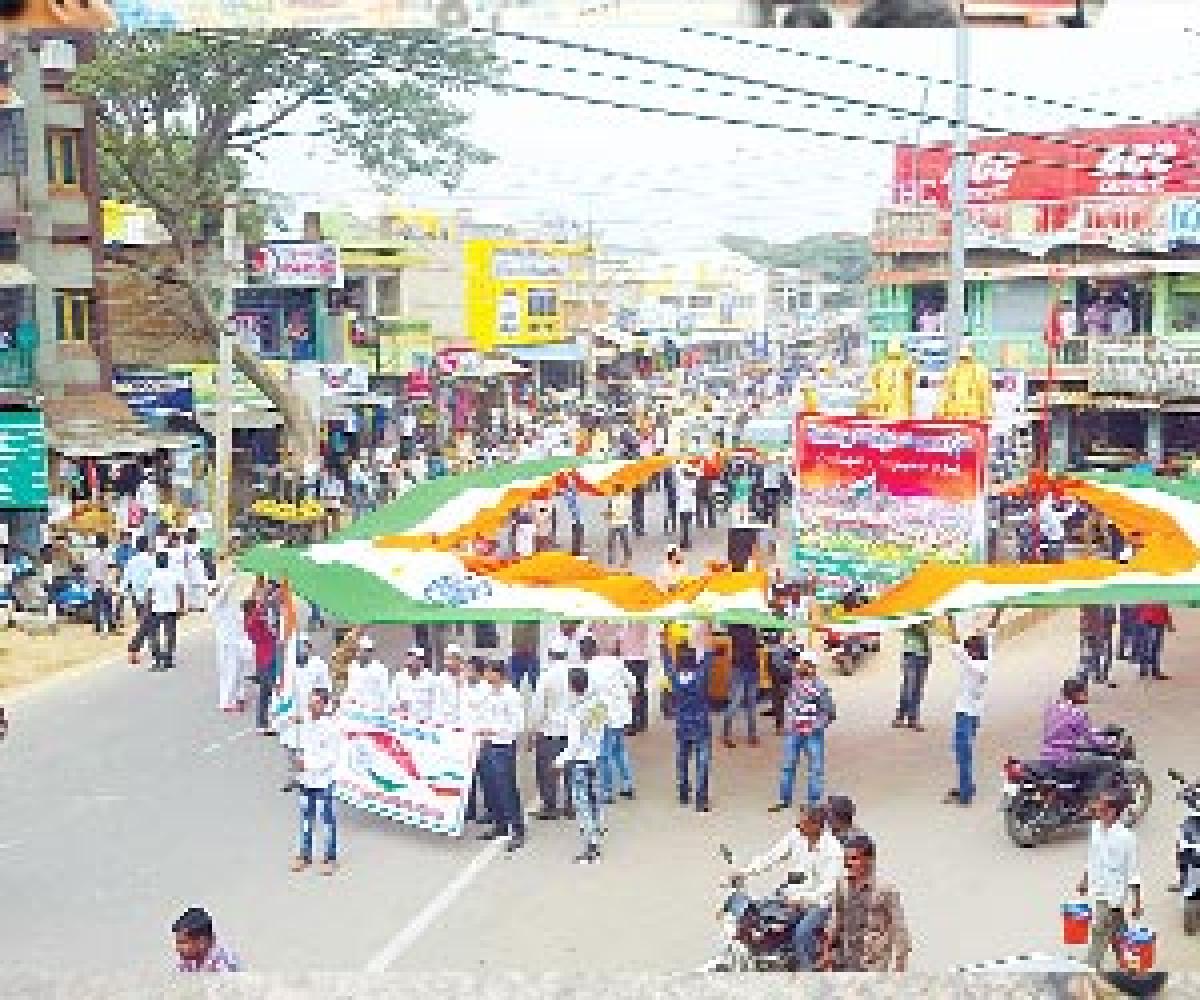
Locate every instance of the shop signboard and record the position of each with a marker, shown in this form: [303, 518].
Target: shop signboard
[307, 264]
[245, 394]
[24, 480]
[420, 387]
[336, 379]
[1161, 159]
[876, 498]
[154, 392]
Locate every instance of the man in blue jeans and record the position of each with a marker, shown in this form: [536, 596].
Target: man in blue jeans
[693, 728]
[974, 658]
[743, 683]
[315, 760]
[808, 711]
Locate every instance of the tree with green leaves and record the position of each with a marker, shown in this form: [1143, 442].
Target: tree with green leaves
[181, 115]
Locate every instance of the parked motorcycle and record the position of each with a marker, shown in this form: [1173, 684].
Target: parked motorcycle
[1187, 852]
[756, 933]
[1039, 798]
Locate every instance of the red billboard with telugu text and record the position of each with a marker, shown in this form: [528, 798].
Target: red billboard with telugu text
[1078, 163]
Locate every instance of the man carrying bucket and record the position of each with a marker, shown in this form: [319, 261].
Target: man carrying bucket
[1111, 875]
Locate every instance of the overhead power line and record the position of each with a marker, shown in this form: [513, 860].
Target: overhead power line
[873, 109]
[903, 74]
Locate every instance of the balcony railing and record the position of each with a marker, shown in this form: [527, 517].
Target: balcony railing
[17, 367]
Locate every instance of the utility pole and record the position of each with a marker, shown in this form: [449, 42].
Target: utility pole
[956, 293]
[224, 423]
[589, 378]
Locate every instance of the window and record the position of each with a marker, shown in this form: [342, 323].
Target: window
[71, 319]
[670, 300]
[63, 168]
[14, 153]
[542, 302]
[58, 54]
[10, 249]
[699, 301]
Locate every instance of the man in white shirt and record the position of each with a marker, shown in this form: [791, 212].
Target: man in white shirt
[412, 689]
[973, 656]
[815, 855]
[450, 690]
[1112, 874]
[367, 680]
[333, 495]
[611, 681]
[310, 673]
[620, 520]
[147, 498]
[134, 582]
[548, 719]
[166, 594]
[1052, 518]
[501, 724]
[316, 763]
[586, 717]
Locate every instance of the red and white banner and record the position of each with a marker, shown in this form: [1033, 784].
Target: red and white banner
[1079, 163]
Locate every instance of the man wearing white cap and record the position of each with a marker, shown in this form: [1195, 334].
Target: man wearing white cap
[367, 682]
[411, 692]
[451, 691]
[548, 722]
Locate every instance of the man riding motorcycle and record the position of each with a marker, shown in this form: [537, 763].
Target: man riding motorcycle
[815, 864]
[1066, 729]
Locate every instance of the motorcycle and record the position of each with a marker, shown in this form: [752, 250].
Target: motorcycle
[849, 649]
[1187, 852]
[1039, 799]
[756, 933]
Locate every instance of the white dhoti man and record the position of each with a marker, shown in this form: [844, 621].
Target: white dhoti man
[232, 646]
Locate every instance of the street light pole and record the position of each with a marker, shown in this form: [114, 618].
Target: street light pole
[224, 422]
[956, 293]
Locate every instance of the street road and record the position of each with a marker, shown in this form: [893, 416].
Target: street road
[129, 797]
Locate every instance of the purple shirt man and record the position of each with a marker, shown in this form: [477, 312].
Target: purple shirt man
[1066, 729]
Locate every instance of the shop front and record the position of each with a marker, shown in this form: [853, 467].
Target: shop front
[1110, 437]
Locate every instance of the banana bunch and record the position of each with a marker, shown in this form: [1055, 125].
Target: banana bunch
[276, 510]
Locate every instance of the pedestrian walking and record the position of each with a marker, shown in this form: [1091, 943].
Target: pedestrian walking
[587, 723]
[689, 677]
[637, 504]
[316, 759]
[1111, 878]
[670, 489]
[914, 667]
[620, 518]
[165, 593]
[133, 583]
[867, 930]
[570, 494]
[548, 722]
[474, 703]
[231, 647]
[688, 505]
[196, 946]
[265, 642]
[309, 673]
[1153, 621]
[973, 656]
[808, 712]
[772, 485]
[503, 721]
[525, 640]
[1095, 643]
[743, 683]
[614, 684]
[195, 571]
[98, 573]
[1127, 631]
[633, 645]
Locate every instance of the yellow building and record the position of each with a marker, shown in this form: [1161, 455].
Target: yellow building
[515, 290]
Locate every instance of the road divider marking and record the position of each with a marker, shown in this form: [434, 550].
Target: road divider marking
[407, 936]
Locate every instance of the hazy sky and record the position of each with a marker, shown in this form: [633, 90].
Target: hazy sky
[654, 182]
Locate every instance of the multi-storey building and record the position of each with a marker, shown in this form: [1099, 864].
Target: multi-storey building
[1103, 225]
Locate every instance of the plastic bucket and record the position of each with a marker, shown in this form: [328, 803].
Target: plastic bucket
[1077, 923]
[1136, 949]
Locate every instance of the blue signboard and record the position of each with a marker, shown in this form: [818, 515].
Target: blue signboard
[1183, 224]
[152, 392]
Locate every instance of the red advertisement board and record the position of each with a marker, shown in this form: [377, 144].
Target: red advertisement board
[1079, 163]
